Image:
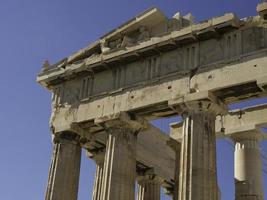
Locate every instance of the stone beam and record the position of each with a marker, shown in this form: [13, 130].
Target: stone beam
[150, 141]
[163, 162]
[152, 101]
[237, 121]
[226, 82]
[244, 120]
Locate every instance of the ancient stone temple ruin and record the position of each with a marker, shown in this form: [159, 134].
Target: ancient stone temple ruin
[152, 67]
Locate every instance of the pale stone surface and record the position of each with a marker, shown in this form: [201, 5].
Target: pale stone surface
[243, 127]
[145, 98]
[212, 63]
[153, 67]
[262, 9]
[149, 141]
[153, 151]
[246, 120]
[248, 167]
[65, 168]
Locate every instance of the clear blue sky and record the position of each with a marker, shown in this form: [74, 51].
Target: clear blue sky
[34, 30]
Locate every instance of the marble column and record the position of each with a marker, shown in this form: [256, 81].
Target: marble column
[198, 176]
[98, 157]
[176, 146]
[120, 162]
[64, 172]
[148, 188]
[248, 168]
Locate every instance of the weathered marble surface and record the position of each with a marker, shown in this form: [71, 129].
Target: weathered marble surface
[153, 67]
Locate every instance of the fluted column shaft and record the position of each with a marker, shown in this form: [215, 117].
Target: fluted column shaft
[99, 160]
[198, 176]
[248, 170]
[120, 164]
[148, 188]
[176, 146]
[64, 172]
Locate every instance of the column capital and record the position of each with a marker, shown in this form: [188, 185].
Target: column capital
[123, 121]
[254, 134]
[148, 177]
[83, 133]
[200, 106]
[198, 102]
[66, 137]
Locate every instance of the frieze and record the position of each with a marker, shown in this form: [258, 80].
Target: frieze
[183, 60]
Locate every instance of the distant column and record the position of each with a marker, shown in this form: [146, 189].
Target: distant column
[64, 172]
[198, 177]
[248, 168]
[176, 146]
[148, 187]
[98, 157]
[120, 162]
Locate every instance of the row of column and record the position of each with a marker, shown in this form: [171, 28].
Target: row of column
[148, 185]
[115, 172]
[116, 169]
[196, 177]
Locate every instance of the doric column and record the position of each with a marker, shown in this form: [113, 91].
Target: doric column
[64, 172]
[248, 167]
[148, 187]
[120, 160]
[198, 176]
[176, 146]
[98, 156]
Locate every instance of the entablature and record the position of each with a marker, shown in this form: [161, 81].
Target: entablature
[151, 99]
[241, 123]
[93, 59]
